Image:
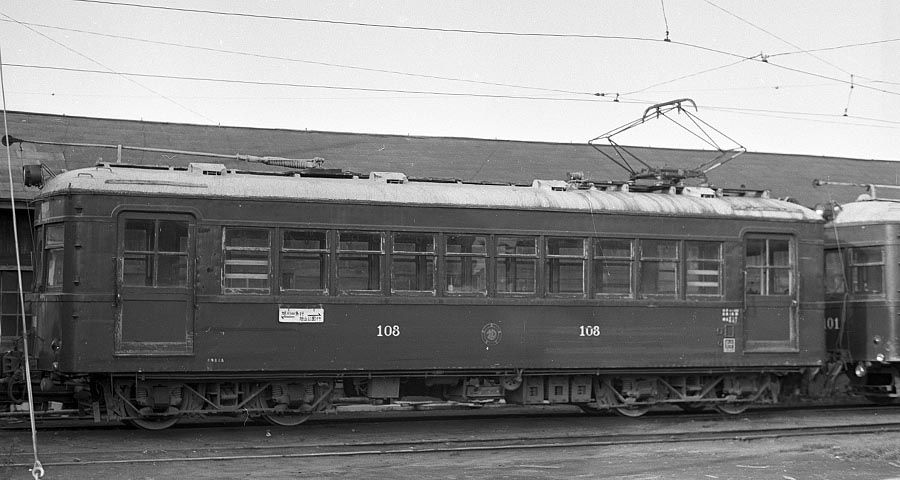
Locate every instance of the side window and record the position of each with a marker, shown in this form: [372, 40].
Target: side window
[769, 266]
[247, 260]
[613, 260]
[54, 234]
[465, 264]
[564, 269]
[659, 268]
[867, 271]
[304, 260]
[10, 306]
[703, 265]
[834, 273]
[155, 253]
[412, 267]
[360, 255]
[516, 264]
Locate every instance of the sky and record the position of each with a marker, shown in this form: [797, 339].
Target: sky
[801, 77]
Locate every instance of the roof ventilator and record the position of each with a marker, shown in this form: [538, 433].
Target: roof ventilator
[388, 177]
[207, 168]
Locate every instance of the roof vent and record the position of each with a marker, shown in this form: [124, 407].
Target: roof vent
[388, 177]
[207, 168]
[554, 185]
[699, 192]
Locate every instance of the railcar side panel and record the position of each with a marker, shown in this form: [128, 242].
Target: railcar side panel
[196, 327]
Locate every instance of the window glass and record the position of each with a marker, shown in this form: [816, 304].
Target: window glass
[659, 268]
[564, 269]
[173, 236]
[304, 260]
[769, 266]
[139, 235]
[703, 264]
[516, 264]
[359, 261]
[53, 256]
[613, 260]
[465, 263]
[247, 264]
[834, 273]
[155, 253]
[10, 306]
[55, 234]
[413, 262]
[867, 271]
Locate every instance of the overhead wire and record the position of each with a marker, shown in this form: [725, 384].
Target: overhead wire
[759, 58]
[775, 36]
[594, 98]
[96, 62]
[298, 60]
[616, 96]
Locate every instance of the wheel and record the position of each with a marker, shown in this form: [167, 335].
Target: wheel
[144, 417]
[286, 419]
[692, 407]
[153, 423]
[732, 408]
[633, 412]
[881, 400]
[591, 409]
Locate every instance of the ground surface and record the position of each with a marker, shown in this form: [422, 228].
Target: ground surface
[239, 451]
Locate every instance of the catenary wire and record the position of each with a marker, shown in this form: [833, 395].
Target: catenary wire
[470, 31]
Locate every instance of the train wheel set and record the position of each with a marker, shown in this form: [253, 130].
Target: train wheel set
[157, 404]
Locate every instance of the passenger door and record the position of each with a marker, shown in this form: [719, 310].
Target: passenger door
[154, 284]
[770, 294]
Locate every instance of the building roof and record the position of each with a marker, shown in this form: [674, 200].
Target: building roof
[466, 159]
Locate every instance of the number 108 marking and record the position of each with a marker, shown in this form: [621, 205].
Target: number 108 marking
[589, 330]
[389, 330]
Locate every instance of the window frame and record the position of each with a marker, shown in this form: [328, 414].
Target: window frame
[618, 260]
[343, 254]
[647, 260]
[422, 274]
[719, 273]
[515, 257]
[856, 267]
[54, 257]
[267, 250]
[157, 252]
[469, 274]
[766, 269]
[553, 265]
[324, 255]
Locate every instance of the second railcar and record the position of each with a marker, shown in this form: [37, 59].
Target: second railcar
[862, 270]
[165, 292]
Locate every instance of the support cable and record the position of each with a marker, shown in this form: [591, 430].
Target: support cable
[849, 94]
[665, 19]
[37, 471]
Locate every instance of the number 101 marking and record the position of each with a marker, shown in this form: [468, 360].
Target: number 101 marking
[389, 330]
[589, 330]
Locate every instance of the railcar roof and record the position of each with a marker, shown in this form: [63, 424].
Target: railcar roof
[868, 212]
[395, 189]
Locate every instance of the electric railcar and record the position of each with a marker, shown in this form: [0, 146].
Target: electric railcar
[862, 303]
[167, 292]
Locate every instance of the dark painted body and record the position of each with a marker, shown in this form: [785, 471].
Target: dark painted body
[200, 331]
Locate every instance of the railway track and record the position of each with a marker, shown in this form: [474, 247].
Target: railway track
[855, 421]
